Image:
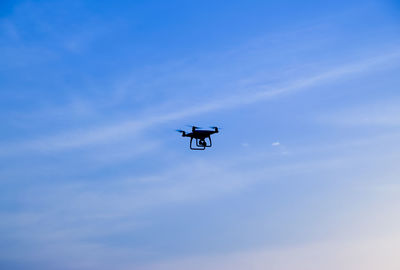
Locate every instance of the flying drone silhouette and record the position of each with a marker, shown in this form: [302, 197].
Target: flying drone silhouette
[200, 136]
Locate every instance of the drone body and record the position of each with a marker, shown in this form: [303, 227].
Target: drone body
[200, 136]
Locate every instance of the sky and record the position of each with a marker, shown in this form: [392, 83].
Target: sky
[303, 175]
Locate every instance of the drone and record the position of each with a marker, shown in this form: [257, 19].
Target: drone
[200, 136]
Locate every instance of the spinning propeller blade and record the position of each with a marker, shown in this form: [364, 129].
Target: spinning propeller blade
[193, 126]
[182, 132]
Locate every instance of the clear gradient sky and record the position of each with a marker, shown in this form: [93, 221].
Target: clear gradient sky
[304, 174]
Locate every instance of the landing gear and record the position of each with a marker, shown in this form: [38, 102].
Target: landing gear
[200, 143]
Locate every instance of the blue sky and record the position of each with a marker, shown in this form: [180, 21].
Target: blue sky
[303, 175]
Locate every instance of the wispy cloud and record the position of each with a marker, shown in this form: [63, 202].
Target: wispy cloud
[378, 113]
[115, 131]
[363, 253]
[93, 174]
[72, 219]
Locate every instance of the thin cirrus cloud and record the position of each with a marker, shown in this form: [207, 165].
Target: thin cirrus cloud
[74, 212]
[375, 114]
[102, 134]
[368, 254]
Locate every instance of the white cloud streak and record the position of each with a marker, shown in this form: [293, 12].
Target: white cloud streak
[64, 217]
[382, 114]
[107, 133]
[367, 254]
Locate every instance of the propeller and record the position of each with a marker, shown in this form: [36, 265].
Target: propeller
[193, 126]
[181, 131]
